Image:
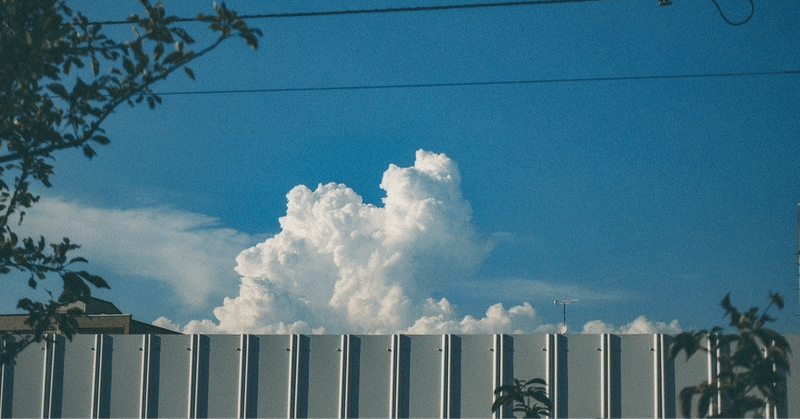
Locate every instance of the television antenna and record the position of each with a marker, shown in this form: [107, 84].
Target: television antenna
[564, 304]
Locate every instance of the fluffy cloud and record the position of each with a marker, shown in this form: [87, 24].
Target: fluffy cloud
[640, 326]
[188, 251]
[340, 265]
[518, 319]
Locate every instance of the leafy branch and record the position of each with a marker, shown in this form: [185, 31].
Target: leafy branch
[61, 78]
[524, 397]
[753, 363]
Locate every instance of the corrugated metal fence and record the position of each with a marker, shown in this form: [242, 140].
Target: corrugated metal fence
[349, 375]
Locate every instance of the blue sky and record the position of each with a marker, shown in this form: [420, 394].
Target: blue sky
[638, 197]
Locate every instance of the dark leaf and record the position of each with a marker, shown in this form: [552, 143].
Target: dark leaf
[95, 66]
[541, 396]
[173, 57]
[74, 287]
[726, 302]
[158, 51]
[189, 72]
[100, 139]
[536, 381]
[95, 280]
[59, 90]
[88, 151]
[27, 304]
[704, 403]
[777, 300]
[128, 65]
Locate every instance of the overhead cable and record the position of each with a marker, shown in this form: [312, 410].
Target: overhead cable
[477, 83]
[428, 9]
[381, 10]
[721, 13]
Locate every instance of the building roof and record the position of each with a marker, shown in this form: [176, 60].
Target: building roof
[99, 317]
[92, 305]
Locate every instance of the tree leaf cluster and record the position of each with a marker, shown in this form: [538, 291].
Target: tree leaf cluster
[524, 397]
[61, 77]
[753, 359]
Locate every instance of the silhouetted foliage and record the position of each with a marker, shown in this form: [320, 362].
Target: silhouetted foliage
[60, 78]
[524, 397]
[753, 363]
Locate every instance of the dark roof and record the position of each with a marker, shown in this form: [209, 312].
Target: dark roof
[100, 317]
[92, 305]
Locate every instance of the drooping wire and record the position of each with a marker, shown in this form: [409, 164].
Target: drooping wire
[382, 10]
[721, 13]
[434, 8]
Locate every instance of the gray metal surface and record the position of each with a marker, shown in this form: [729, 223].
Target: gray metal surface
[349, 376]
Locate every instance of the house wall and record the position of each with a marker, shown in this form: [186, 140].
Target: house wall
[348, 375]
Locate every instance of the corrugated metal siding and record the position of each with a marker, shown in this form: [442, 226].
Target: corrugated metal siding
[349, 376]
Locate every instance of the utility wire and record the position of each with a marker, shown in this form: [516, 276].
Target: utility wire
[429, 9]
[477, 83]
[722, 14]
[375, 11]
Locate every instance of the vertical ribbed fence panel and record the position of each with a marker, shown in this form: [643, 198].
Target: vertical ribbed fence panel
[424, 377]
[124, 377]
[352, 376]
[74, 395]
[700, 367]
[322, 377]
[475, 371]
[374, 377]
[225, 354]
[531, 353]
[171, 376]
[637, 357]
[274, 367]
[585, 380]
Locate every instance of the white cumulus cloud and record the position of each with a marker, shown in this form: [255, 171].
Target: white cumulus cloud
[640, 326]
[339, 265]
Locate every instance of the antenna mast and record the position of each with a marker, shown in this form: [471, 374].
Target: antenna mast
[565, 302]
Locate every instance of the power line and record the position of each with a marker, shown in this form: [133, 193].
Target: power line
[477, 83]
[376, 11]
[429, 9]
[741, 22]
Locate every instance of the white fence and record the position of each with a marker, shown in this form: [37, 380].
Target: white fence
[349, 375]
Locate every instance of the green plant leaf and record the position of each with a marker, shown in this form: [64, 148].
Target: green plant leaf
[59, 90]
